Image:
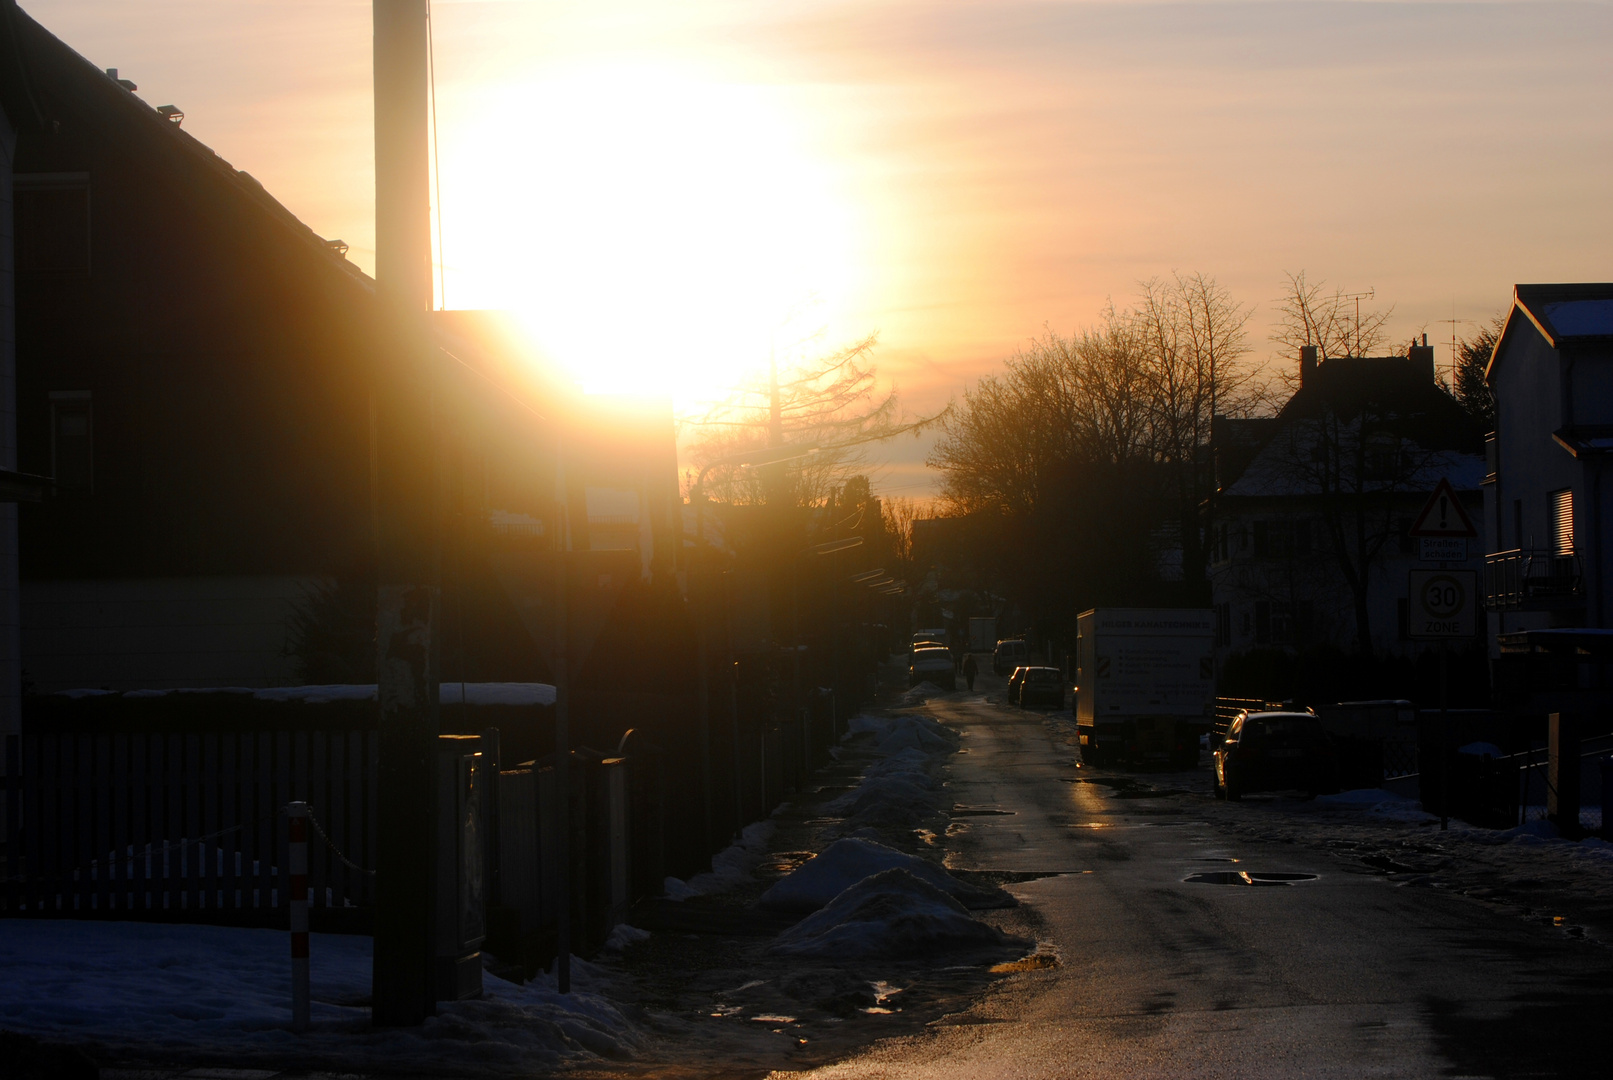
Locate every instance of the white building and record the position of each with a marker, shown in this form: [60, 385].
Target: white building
[1310, 524]
[1547, 501]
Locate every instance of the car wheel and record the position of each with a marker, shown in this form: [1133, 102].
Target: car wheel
[1220, 790]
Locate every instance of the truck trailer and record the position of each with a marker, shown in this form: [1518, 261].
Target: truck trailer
[1144, 684]
[982, 633]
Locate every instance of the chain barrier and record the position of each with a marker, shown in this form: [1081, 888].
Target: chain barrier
[320, 829]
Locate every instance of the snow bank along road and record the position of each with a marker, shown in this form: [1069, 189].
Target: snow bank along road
[1356, 967]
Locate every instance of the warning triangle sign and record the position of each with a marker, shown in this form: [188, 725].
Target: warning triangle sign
[1443, 515]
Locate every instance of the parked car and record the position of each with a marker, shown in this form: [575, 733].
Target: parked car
[1013, 683]
[1009, 654]
[1042, 686]
[932, 664]
[1275, 751]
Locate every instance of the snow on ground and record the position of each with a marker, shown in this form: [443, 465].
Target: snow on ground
[1377, 801]
[199, 992]
[817, 882]
[890, 914]
[730, 867]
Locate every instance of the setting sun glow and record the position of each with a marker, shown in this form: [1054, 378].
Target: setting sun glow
[653, 231]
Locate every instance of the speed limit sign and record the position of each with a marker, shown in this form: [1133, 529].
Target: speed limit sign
[1442, 604]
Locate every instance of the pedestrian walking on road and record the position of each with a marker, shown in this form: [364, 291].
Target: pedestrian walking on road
[969, 670]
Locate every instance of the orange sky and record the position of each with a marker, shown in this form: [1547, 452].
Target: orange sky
[666, 179]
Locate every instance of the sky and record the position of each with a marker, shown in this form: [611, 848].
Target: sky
[669, 192]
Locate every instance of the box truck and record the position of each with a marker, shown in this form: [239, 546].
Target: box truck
[982, 634]
[1144, 684]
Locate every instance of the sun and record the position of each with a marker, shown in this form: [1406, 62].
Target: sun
[655, 232]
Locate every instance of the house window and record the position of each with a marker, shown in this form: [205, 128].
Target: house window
[51, 213]
[1278, 622]
[72, 445]
[1223, 625]
[1282, 538]
[1561, 525]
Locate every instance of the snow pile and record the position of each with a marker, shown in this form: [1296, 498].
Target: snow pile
[1482, 749]
[921, 693]
[189, 992]
[863, 722]
[730, 867]
[622, 936]
[891, 914]
[911, 732]
[819, 880]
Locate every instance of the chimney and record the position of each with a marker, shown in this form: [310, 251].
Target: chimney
[1422, 356]
[402, 191]
[1307, 364]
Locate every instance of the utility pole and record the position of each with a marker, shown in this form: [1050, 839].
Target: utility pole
[406, 522]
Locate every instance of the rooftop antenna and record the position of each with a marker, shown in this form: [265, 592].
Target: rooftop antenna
[1370, 294]
[1453, 320]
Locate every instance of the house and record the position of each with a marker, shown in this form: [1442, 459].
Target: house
[195, 372]
[1547, 501]
[1310, 522]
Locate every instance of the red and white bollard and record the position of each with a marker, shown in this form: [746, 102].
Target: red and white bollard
[297, 812]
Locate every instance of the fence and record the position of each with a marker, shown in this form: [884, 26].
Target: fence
[134, 824]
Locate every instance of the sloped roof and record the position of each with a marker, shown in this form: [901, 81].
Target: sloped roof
[1561, 313]
[64, 89]
[1400, 394]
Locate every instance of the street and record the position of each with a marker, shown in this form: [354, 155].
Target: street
[1347, 973]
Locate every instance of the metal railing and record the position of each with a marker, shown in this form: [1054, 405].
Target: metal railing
[1527, 577]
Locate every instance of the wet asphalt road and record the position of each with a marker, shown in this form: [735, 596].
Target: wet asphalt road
[1344, 975]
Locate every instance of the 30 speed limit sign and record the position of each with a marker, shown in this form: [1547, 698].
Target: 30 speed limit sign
[1442, 604]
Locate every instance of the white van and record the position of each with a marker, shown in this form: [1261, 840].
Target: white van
[1010, 654]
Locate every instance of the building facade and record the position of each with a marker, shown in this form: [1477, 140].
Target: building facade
[1547, 498]
[1310, 526]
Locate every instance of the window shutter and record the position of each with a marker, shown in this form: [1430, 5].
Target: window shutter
[1562, 522]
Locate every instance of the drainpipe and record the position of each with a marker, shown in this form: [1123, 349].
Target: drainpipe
[10, 605]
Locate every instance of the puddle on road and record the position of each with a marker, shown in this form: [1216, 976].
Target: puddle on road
[1037, 961]
[1245, 877]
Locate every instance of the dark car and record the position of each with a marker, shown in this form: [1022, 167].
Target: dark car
[1275, 751]
[1041, 686]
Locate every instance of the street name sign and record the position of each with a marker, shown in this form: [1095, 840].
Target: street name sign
[1443, 516]
[1442, 604]
[1442, 548]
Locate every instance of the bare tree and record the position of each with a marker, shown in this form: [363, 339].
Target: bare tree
[1334, 322]
[1357, 457]
[899, 512]
[831, 407]
[1193, 337]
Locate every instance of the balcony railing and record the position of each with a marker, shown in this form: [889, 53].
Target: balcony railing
[1525, 579]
